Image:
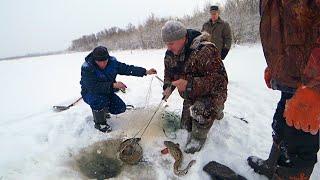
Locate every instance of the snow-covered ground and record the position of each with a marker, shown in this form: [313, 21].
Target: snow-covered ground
[37, 143]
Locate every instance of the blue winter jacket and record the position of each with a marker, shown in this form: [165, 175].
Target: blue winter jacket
[98, 81]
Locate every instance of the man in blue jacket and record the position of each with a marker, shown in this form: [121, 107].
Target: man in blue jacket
[98, 84]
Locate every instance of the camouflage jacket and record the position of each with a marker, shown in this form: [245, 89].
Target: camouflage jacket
[220, 33]
[290, 36]
[200, 64]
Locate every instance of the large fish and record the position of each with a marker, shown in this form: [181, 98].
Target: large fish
[176, 153]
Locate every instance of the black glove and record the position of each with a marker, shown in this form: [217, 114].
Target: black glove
[224, 53]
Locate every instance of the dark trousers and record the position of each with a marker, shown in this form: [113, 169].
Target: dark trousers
[112, 102]
[301, 147]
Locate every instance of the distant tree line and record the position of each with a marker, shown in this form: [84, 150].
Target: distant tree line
[242, 15]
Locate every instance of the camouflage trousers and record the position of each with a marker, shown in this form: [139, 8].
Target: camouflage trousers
[192, 112]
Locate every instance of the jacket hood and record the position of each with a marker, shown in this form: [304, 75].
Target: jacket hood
[191, 35]
[195, 38]
[203, 37]
[89, 58]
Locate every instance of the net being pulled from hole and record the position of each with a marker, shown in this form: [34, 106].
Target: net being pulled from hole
[98, 161]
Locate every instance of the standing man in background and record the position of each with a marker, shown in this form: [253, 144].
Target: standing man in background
[219, 30]
[290, 37]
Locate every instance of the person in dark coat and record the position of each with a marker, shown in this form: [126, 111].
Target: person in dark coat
[219, 30]
[98, 84]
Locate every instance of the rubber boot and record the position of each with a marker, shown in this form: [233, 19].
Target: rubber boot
[108, 116]
[266, 167]
[283, 173]
[284, 159]
[188, 138]
[100, 120]
[196, 138]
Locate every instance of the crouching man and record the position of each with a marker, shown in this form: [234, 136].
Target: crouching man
[193, 65]
[98, 84]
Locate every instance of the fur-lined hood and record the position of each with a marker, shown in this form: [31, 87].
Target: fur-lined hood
[203, 38]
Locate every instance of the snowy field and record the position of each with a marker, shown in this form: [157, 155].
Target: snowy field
[37, 143]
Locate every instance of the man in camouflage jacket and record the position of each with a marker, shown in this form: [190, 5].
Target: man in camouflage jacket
[193, 65]
[290, 37]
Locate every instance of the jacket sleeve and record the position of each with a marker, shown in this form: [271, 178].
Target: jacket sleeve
[92, 84]
[311, 76]
[168, 75]
[214, 80]
[227, 38]
[130, 70]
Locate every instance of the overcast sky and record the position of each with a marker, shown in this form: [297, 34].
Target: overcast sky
[32, 26]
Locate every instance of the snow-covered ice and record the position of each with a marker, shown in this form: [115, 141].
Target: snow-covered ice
[38, 143]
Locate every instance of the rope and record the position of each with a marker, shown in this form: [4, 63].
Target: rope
[155, 112]
[145, 128]
[148, 93]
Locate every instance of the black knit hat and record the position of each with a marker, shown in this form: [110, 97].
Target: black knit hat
[214, 8]
[100, 53]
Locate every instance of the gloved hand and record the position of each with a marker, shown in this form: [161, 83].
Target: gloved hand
[303, 110]
[267, 77]
[224, 53]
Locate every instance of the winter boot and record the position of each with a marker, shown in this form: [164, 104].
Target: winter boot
[283, 173]
[108, 116]
[196, 138]
[284, 159]
[99, 118]
[266, 167]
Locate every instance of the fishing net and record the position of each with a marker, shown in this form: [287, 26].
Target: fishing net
[171, 123]
[98, 161]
